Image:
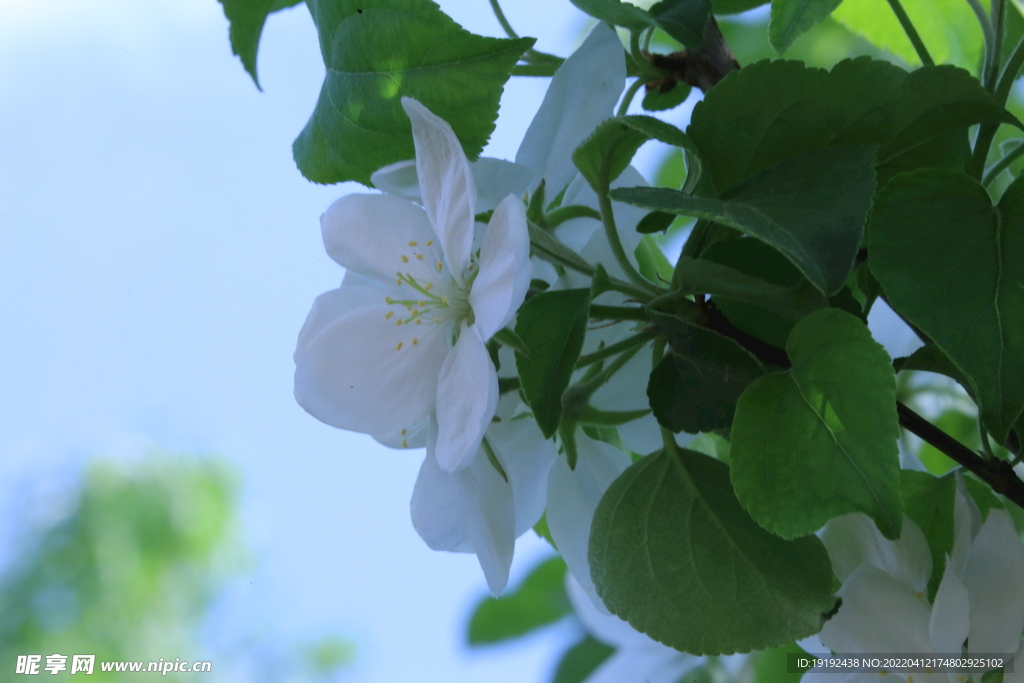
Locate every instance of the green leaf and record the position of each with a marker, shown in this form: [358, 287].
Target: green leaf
[375, 53]
[771, 111]
[793, 18]
[696, 385]
[581, 660]
[616, 13]
[656, 100]
[735, 6]
[247, 18]
[651, 261]
[953, 265]
[772, 666]
[948, 28]
[819, 440]
[750, 271]
[539, 601]
[929, 358]
[812, 209]
[541, 529]
[603, 156]
[552, 325]
[684, 20]
[714, 582]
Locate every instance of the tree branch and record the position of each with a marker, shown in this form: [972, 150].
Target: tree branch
[996, 473]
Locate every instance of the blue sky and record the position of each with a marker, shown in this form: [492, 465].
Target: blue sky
[158, 254]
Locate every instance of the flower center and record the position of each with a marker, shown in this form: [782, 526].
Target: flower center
[434, 301]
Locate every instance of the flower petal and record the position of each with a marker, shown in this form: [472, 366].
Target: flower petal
[879, 614]
[608, 628]
[573, 496]
[494, 178]
[467, 511]
[950, 621]
[853, 540]
[527, 458]
[405, 438]
[446, 184]
[356, 291]
[994, 577]
[351, 376]
[582, 93]
[1017, 676]
[653, 663]
[966, 524]
[504, 277]
[370, 233]
[398, 179]
[826, 675]
[467, 396]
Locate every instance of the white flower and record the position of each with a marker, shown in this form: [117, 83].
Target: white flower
[474, 509]
[403, 338]
[980, 598]
[637, 658]
[572, 498]
[581, 95]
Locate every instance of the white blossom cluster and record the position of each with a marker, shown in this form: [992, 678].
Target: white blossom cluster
[399, 351]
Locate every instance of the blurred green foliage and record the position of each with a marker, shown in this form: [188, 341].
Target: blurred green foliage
[131, 571]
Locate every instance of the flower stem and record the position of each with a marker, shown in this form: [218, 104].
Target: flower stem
[544, 69]
[624, 345]
[915, 38]
[598, 312]
[612, 233]
[509, 31]
[627, 99]
[993, 172]
[989, 36]
[567, 213]
[492, 456]
[987, 132]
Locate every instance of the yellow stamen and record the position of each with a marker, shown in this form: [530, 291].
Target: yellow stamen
[429, 242]
[440, 266]
[418, 321]
[405, 259]
[405, 444]
[398, 281]
[419, 256]
[387, 299]
[388, 316]
[413, 243]
[437, 320]
[398, 347]
[402, 432]
[421, 303]
[444, 299]
[415, 341]
[398, 322]
[429, 286]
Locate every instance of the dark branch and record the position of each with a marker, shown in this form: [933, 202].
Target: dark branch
[996, 473]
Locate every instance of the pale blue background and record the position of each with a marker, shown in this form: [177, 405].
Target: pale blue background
[158, 254]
